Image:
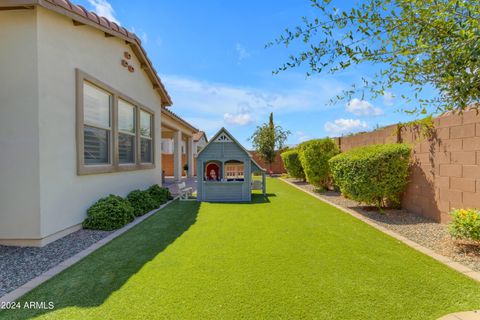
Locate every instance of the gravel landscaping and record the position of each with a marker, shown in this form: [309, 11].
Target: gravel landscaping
[19, 265]
[419, 229]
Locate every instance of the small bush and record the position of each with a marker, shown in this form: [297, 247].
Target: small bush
[109, 213]
[292, 164]
[465, 224]
[160, 195]
[375, 174]
[142, 202]
[314, 156]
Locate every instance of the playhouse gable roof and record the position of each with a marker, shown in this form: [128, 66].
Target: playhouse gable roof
[223, 135]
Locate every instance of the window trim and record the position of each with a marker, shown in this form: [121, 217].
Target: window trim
[238, 169]
[114, 165]
[140, 136]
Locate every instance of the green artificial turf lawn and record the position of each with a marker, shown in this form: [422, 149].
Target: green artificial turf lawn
[288, 256]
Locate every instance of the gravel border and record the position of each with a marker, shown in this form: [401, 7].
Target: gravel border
[65, 264]
[416, 228]
[18, 265]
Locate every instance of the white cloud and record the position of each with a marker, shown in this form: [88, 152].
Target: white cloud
[362, 108]
[104, 9]
[210, 106]
[343, 126]
[388, 98]
[302, 136]
[242, 52]
[240, 119]
[209, 99]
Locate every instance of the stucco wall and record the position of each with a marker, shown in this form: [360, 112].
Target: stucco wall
[44, 176]
[445, 170]
[19, 173]
[62, 48]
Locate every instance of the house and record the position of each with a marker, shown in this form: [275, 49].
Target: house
[225, 169]
[177, 145]
[82, 115]
[169, 160]
[199, 141]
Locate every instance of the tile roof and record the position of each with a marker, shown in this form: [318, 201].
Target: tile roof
[178, 118]
[82, 16]
[197, 136]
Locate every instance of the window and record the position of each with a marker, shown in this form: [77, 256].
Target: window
[167, 146]
[126, 132]
[97, 122]
[114, 133]
[212, 171]
[146, 144]
[234, 170]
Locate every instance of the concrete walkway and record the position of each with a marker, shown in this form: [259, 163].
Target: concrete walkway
[467, 315]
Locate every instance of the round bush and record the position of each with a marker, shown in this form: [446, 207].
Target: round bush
[292, 164]
[109, 213]
[465, 224]
[314, 156]
[160, 195]
[142, 202]
[375, 174]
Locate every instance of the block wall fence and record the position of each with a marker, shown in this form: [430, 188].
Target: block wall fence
[277, 166]
[445, 168]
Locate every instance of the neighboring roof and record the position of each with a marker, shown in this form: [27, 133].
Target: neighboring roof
[197, 136]
[81, 16]
[178, 118]
[223, 130]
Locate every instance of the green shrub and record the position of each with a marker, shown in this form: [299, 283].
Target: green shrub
[375, 174]
[142, 202]
[292, 164]
[160, 195]
[465, 224]
[109, 213]
[314, 156]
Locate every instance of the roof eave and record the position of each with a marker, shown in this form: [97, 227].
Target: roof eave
[128, 37]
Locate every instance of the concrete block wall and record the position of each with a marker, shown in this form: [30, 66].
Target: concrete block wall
[277, 166]
[445, 169]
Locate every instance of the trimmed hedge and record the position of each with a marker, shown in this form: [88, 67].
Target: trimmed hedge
[314, 156]
[375, 174]
[292, 164]
[109, 213]
[142, 202]
[114, 212]
[160, 195]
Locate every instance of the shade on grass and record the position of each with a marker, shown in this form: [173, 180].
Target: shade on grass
[287, 256]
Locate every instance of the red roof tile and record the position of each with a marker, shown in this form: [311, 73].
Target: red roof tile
[79, 13]
[198, 135]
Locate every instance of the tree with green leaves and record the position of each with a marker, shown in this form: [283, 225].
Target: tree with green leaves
[413, 42]
[267, 139]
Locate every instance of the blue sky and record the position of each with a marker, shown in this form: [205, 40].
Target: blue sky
[210, 55]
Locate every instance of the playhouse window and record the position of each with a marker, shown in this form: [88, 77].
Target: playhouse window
[212, 171]
[234, 170]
